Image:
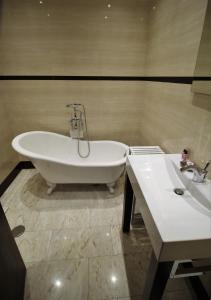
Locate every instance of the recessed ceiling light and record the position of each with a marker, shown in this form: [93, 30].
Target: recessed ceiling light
[106, 17]
[41, 2]
[58, 283]
[113, 278]
[154, 7]
[109, 5]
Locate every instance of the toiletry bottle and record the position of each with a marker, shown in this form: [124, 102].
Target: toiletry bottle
[185, 157]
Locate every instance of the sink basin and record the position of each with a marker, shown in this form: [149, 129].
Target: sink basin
[200, 192]
[179, 225]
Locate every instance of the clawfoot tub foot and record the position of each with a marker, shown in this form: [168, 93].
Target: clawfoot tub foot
[111, 187]
[51, 187]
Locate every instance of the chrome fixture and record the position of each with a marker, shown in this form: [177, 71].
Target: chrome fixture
[199, 174]
[76, 121]
[179, 191]
[78, 128]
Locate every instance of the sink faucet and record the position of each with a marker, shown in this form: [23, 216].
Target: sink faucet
[199, 174]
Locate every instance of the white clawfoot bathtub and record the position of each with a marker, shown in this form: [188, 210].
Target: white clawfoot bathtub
[55, 156]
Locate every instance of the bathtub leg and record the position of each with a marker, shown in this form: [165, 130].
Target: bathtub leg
[111, 187]
[51, 187]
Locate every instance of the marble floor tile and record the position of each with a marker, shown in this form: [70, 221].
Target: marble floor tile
[178, 295]
[107, 277]
[17, 217]
[136, 275]
[102, 298]
[48, 220]
[77, 218]
[51, 220]
[115, 276]
[36, 221]
[135, 241]
[176, 284]
[34, 246]
[60, 280]
[119, 212]
[131, 298]
[120, 198]
[80, 242]
[103, 217]
[146, 256]
[69, 196]
[14, 217]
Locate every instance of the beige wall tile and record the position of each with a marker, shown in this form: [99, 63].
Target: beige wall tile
[175, 29]
[203, 64]
[175, 118]
[73, 37]
[137, 113]
[114, 108]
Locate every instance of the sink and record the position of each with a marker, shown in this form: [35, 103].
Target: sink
[200, 192]
[179, 225]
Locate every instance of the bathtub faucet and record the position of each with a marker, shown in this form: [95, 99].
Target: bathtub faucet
[199, 174]
[78, 129]
[76, 121]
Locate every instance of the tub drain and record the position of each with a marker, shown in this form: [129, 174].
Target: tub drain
[179, 191]
[18, 231]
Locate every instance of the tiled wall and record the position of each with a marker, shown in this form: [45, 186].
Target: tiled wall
[67, 37]
[8, 157]
[175, 29]
[114, 108]
[204, 59]
[203, 63]
[175, 118]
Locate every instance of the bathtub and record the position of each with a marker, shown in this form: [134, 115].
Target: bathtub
[55, 156]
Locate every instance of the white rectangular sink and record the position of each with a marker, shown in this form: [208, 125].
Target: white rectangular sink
[179, 225]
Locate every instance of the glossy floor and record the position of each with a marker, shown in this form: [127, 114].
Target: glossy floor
[73, 246]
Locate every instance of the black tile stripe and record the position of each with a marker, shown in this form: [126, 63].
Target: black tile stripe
[170, 79]
[13, 174]
[9, 179]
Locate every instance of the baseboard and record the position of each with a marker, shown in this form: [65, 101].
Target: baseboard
[13, 174]
[26, 164]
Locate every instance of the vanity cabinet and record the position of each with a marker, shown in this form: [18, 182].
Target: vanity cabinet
[168, 219]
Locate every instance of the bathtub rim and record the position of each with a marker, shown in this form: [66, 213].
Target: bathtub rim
[34, 156]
